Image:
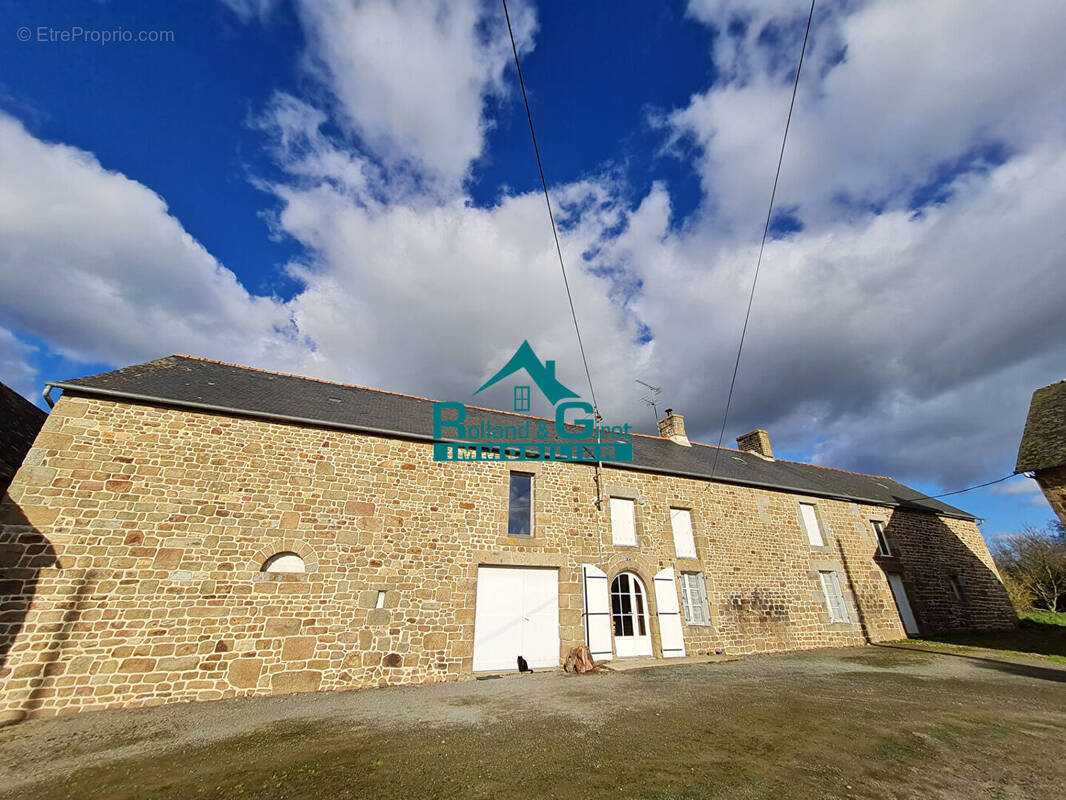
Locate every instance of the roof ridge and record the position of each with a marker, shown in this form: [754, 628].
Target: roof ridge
[378, 391]
[494, 410]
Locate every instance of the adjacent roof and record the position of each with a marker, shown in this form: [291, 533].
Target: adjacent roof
[210, 385]
[20, 422]
[1044, 441]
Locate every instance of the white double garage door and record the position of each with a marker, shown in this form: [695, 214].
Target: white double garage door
[517, 614]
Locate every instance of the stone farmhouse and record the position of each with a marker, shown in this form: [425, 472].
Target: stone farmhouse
[191, 530]
[1043, 447]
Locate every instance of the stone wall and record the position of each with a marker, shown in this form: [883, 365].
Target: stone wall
[134, 535]
[1053, 484]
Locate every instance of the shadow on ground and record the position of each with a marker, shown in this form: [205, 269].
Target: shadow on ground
[1033, 635]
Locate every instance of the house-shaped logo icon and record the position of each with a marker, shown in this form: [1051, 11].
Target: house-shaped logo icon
[541, 373]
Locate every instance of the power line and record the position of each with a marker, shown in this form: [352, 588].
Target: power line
[957, 491]
[766, 230]
[551, 216]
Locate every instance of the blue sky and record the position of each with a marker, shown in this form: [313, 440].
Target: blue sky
[347, 190]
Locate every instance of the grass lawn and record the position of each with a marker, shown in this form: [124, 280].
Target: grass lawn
[1039, 632]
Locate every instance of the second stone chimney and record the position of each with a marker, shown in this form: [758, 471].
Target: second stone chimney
[757, 442]
[672, 427]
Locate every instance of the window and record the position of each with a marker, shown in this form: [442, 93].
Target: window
[520, 505]
[956, 586]
[834, 597]
[882, 542]
[627, 606]
[623, 522]
[380, 602]
[694, 598]
[521, 398]
[284, 562]
[681, 522]
[811, 525]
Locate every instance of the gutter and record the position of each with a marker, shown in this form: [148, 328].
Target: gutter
[394, 434]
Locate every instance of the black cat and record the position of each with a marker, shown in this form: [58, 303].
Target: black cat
[523, 666]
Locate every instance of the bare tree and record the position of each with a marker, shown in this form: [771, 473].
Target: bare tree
[1033, 565]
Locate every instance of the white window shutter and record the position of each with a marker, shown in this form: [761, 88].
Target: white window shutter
[810, 524]
[597, 613]
[695, 597]
[670, 631]
[623, 521]
[834, 597]
[681, 522]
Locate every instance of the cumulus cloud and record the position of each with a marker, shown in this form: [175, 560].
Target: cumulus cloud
[94, 263]
[887, 336]
[16, 370]
[891, 93]
[410, 78]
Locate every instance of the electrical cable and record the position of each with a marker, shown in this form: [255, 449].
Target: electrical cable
[957, 491]
[551, 216]
[766, 230]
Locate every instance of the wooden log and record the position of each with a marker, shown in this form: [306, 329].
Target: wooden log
[579, 661]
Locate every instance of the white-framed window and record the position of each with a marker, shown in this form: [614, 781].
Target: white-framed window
[834, 597]
[681, 523]
[694, 598]
[520, 505]
[882, 542]
[811, 526]
[623, 521]
[284, 562]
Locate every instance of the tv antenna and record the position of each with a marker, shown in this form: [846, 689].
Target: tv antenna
[651, 400]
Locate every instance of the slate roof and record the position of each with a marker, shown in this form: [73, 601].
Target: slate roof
[1044, 440]
[211, 385]
[20, 422]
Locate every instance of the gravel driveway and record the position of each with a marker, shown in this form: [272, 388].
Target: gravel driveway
[863, 722]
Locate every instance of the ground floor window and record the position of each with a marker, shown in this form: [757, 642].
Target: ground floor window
[694, 597]
[834, 597]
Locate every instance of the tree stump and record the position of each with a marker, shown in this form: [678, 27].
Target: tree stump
[579, 661]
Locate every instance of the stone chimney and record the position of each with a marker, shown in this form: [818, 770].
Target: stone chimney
[757, 442]
[672, 427]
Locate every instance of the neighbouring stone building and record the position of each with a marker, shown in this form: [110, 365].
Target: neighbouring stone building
[20, 422]
[1043, 447]
[191, 530]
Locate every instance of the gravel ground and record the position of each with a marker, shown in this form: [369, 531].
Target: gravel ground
[864, 722]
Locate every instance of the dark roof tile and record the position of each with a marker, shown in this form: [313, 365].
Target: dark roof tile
[1044, 441]
[184, 380]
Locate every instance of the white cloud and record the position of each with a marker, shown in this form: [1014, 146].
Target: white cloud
[252, 9]
[16, 371]
[895, 343]
[920, 85]
[95, 264]
[411, 78]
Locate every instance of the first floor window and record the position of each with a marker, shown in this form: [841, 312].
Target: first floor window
[694, 595]
[834, 597]
[681, 523]
[520, 505]
[623, 522]
[882, 542]
[811, 525]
